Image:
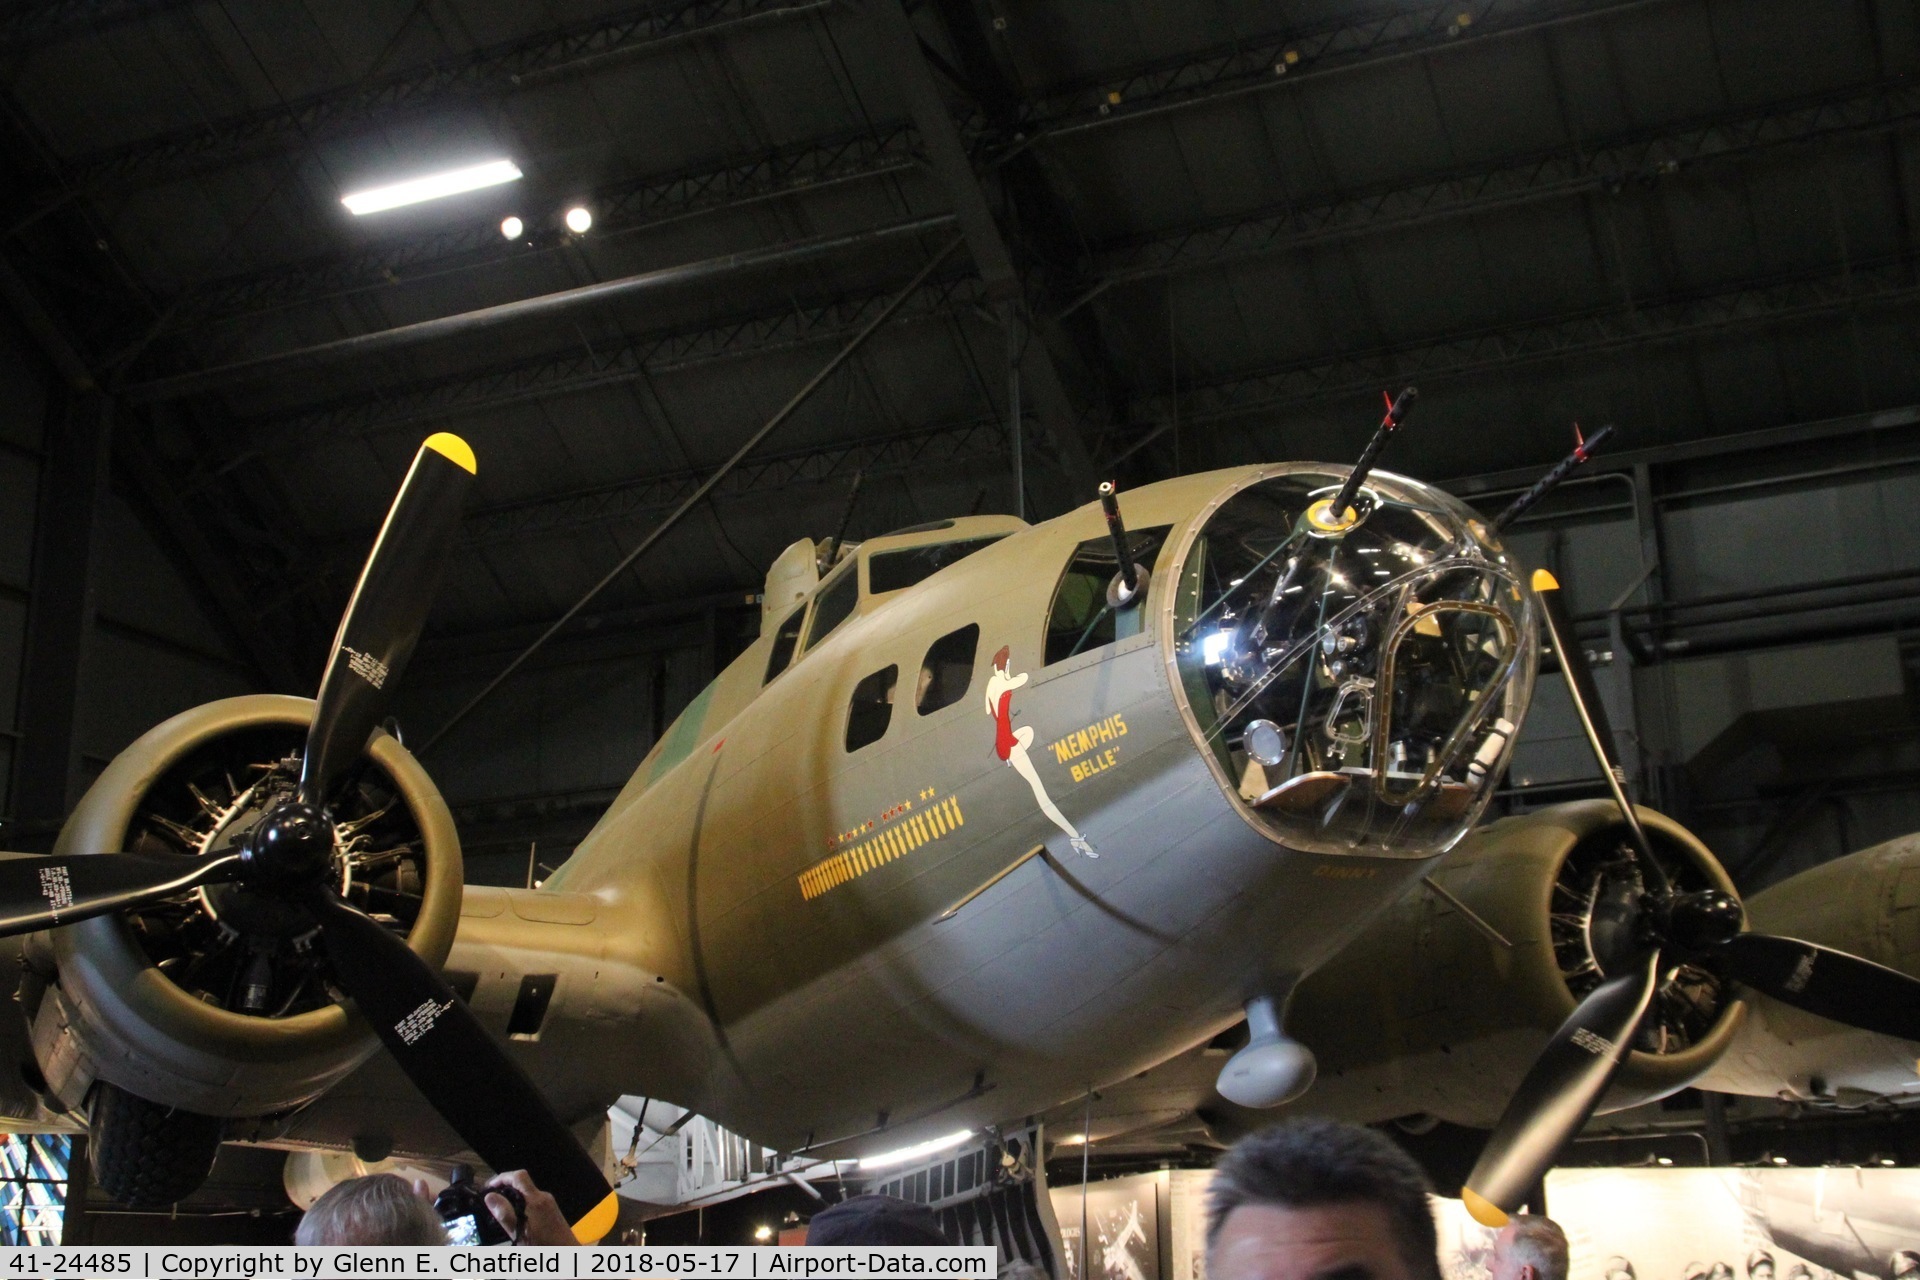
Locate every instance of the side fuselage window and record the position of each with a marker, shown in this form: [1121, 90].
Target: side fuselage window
[834, 605]
[1081, 619]
[947, 669]
[872, 708]
[784, 641]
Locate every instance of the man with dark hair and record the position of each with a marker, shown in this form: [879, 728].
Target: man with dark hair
[1320, 1200]
[1529, 1247]
[875, 1220]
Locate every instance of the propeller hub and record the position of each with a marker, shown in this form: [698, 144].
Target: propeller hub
[291, 846]
[1704, 920]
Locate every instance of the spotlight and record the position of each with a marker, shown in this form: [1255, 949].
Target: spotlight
[763, 1233]
[1777, 1160]
[511, 227]
[1663, 1161]
[579, 218]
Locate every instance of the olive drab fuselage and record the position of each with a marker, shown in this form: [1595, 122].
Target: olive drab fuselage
[830, 906]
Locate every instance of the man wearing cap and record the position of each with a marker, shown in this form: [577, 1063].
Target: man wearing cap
[1759, 1265]
[1905, 1265]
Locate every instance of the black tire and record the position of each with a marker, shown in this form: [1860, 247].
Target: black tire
[145, 1155]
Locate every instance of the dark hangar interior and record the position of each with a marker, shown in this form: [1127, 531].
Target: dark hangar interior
[964, 257]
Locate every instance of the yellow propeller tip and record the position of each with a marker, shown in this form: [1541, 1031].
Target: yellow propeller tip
[453, 449]
[598, 1221]
[1484, 1211]
[1544, 581]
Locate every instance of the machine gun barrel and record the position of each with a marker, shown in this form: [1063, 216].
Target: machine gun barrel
[1117, 530]
[1396, 412]
[1582, 450]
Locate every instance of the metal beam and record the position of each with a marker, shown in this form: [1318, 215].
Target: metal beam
[547, 305]
[1260, 63]
[35, 25]
[902, 53]
[644, 202]
[60, 614]
[1886, 283]
[1643, 156]
[927, 452]
[493, 71]
[206, 569]
[561, 375]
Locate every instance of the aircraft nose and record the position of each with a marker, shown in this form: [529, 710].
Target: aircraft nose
[1357, 682]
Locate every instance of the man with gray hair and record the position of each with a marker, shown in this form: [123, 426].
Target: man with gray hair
[1319, 1200]
[1530, 1247]
[377, 1209]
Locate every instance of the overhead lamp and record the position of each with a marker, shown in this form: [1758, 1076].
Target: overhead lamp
[763, 1233]
[579, 219]
[431, 186]
[906, 1155]
[511, 227]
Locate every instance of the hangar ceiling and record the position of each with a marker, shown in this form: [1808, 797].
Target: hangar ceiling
[1204, 232]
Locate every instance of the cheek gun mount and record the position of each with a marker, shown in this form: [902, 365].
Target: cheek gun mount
[1131, 582]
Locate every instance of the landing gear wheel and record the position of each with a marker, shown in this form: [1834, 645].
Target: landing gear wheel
[145, 1155]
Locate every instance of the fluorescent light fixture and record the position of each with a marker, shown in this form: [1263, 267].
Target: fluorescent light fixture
[431, 187]
[906, 1155]
[579, 218]
[1213, 648]
[511, 227]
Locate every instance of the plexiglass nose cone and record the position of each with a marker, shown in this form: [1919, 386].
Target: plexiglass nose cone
[1356, 687]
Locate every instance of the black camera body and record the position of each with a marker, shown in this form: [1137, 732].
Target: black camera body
[463, 1207]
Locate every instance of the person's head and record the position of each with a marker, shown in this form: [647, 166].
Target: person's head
[1759, 1265]
[1311, 1197]
[1721, 1271]
[376, 1209]
[1529, 1247]
[1618, 1268]
[1800, 1271]
[1904, 1264]
[875, 1220]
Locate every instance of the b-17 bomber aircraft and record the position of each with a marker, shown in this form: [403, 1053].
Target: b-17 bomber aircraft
[991, 814]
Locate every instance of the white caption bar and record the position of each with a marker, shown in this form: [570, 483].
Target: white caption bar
[654, 1262]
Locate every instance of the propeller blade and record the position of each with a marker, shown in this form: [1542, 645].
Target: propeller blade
[384, 618]
[1593, 716]
[1559, 1093]
[464, 1073]
[1826, 982]
[40, 893]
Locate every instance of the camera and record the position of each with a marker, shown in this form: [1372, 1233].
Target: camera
[463, 1207]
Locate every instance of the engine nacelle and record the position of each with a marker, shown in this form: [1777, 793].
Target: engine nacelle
[211, 1004]
[1428, 1012]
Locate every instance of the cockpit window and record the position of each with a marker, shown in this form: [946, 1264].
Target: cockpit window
[897, 570]
[1081, 617]
[1361, 685]
[784, 641]
[834, 605]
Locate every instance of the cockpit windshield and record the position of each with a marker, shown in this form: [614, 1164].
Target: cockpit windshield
[1358, 681]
